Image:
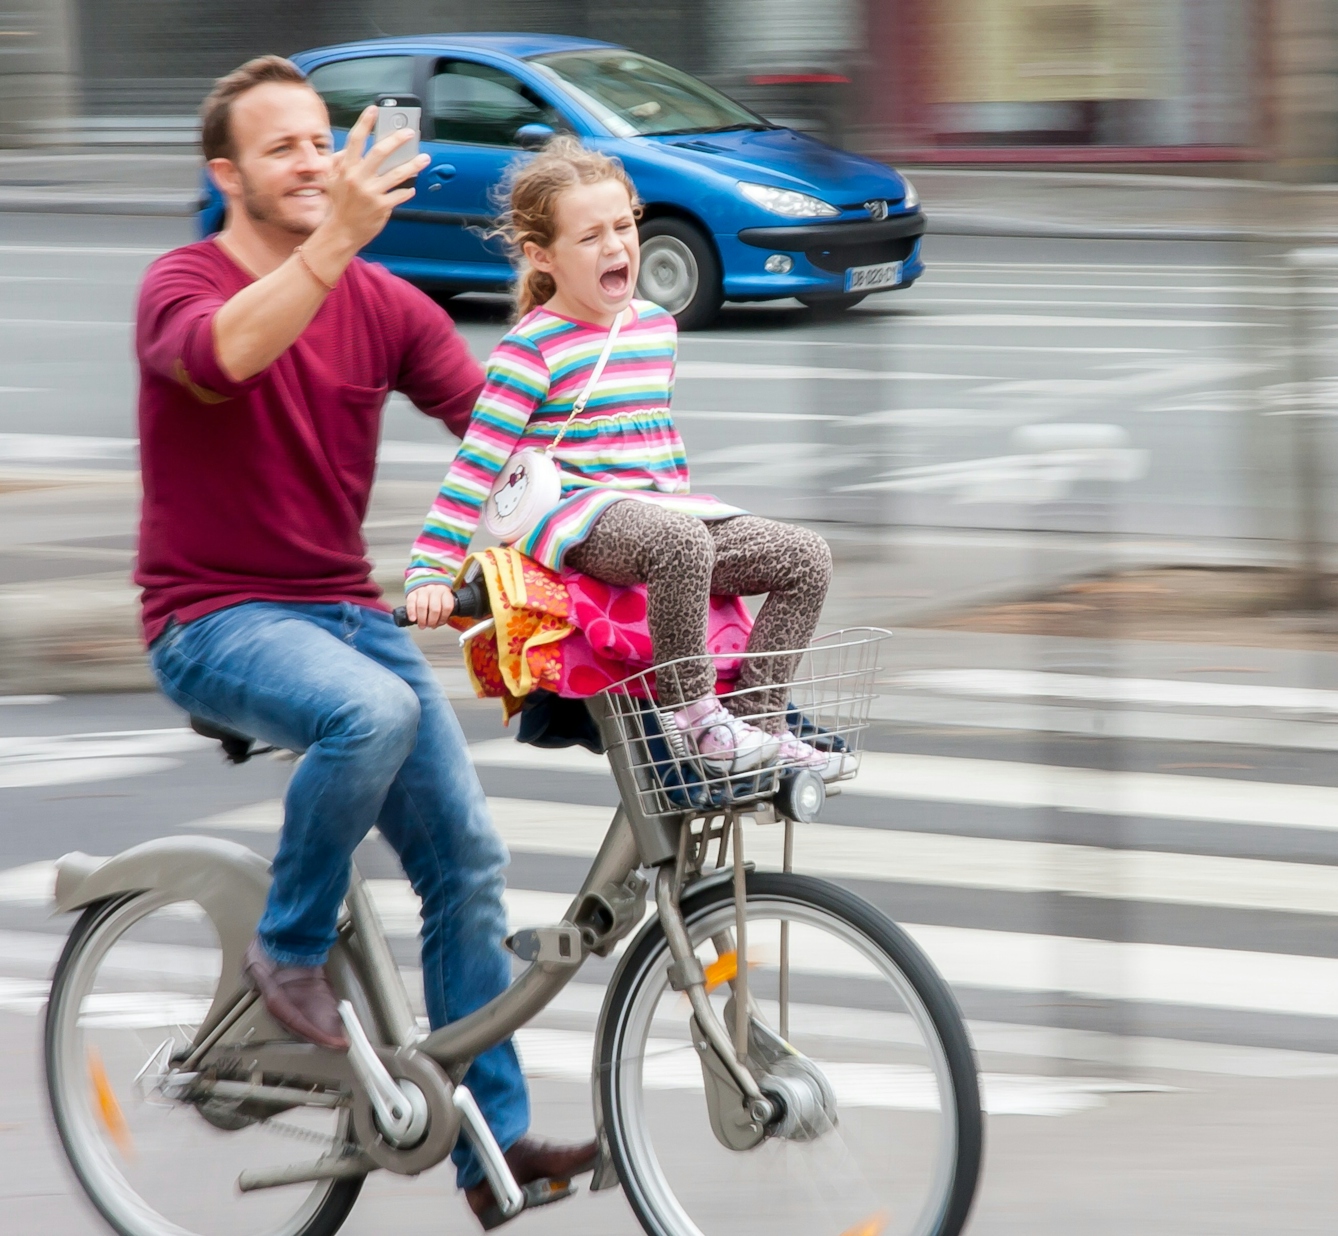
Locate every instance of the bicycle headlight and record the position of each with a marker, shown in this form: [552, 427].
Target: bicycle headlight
[787, 202]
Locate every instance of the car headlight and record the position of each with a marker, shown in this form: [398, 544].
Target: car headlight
[787, 202]
[912, 198]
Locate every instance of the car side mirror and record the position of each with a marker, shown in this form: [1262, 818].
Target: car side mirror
[532, 136]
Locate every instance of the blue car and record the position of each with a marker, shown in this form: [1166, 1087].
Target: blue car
[736, 208]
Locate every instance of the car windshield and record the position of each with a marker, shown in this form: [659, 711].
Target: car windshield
[637, 96]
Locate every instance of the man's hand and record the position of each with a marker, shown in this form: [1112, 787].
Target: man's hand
[361, 198]
[429, 605]
[262, 321]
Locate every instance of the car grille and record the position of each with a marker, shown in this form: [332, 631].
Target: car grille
[838, 258]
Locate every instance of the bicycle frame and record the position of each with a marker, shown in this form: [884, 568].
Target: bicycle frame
[237, 1038]
[633, 840]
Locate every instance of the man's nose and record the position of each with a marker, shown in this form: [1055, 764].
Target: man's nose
[311, 158]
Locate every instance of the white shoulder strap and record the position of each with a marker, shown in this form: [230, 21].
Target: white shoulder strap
[595, 374]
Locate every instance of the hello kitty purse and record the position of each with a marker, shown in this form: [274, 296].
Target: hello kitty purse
[529, 485]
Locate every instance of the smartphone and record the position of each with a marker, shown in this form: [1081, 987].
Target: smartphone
[395, 112]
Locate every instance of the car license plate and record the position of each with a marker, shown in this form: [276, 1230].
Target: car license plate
[869, 278]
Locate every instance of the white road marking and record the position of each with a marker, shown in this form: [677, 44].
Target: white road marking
[997, 960]
[1241, 730]
[61, 759]
[1159, 973]
[1172, 271]
[752, 372]
[40, 447]
[684, 415]
[398, 906]
[1162, 692]
[672, 1064]
[939, 778]
[24, 701]
[818, 1021]
[966, 345]
[1056, 319]
[88, 250]
[1095, 791]
[1108, 285]
[33, 884]
[1102, 303]
[1018, 961]
[263, 817]
[850, 853]
[37, 447]
[64, 322]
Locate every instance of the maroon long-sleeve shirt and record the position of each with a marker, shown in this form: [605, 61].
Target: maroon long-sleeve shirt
[256, 490]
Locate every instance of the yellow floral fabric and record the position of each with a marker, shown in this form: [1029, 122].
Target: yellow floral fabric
[531, 613]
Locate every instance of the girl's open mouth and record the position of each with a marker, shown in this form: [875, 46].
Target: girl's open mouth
[614, 280]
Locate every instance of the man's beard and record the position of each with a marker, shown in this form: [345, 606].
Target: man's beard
[265, 208]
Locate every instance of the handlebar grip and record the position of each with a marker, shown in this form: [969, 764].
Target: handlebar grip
[471, 601]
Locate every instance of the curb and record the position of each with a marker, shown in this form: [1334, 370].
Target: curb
[949, 223]
[176, 205]
[940, 222]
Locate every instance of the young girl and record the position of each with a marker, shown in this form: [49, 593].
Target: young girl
[627, 515]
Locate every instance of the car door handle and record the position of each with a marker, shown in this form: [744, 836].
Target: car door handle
[440, 172]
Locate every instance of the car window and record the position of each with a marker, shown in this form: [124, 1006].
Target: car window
[482, 105]
[348, 86]
[634, 94]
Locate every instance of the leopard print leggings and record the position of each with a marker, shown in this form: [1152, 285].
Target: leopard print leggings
[682, 561]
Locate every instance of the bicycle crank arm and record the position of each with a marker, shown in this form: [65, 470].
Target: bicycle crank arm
[401, 1110]
[511, 1199]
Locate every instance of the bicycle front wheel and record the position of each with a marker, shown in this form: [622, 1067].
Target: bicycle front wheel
[899, 1153]
[135, 981]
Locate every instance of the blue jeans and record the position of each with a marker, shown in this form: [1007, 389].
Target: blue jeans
[345, 685]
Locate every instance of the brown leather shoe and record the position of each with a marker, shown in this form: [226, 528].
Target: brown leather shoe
[545, 1167]
[299, 998]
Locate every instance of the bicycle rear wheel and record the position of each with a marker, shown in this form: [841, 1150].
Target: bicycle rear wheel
[865, 1007]
[134, 982]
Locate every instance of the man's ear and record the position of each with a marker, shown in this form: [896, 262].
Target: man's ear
[538, 257]
[226, 177]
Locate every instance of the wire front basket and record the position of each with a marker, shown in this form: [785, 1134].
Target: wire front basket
[821, 694]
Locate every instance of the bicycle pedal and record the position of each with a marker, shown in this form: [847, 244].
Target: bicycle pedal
[542, 1192]
[560, 944]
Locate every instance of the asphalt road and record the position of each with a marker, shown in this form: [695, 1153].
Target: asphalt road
[1152, 999]
[1141, 931]
[914, 408]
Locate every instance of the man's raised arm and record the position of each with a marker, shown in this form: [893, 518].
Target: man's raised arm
[257, 325]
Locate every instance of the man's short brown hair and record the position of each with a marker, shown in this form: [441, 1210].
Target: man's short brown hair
[216, 111]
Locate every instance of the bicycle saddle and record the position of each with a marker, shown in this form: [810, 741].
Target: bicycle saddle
[237, 747]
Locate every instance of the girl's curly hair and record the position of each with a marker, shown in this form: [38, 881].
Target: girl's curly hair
[530, 206]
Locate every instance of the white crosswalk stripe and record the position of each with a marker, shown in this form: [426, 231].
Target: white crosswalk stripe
[845, 852]
[992, 960]
[977, 958]
[1006, 783]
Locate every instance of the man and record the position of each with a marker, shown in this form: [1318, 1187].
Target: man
[266, 355]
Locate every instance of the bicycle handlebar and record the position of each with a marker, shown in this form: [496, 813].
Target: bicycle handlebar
[471, 601]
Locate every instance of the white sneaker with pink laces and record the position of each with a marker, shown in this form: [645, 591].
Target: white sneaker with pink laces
[829, 765]
[721, 741]
[796, 753]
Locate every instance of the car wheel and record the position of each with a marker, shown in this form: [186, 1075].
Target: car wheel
[680, 272]
[827, 305]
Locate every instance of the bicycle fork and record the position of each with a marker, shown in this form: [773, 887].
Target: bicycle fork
[798, 1102]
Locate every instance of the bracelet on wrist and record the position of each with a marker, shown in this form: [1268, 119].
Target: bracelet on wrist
[302, 257]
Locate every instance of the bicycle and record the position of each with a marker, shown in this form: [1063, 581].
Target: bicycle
[845, 1100]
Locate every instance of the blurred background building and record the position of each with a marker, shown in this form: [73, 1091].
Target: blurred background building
[1242, 85]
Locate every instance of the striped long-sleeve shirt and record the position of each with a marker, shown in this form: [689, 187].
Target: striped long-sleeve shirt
[623, 445]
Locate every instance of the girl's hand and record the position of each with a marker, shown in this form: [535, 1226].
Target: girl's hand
[430, 605]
